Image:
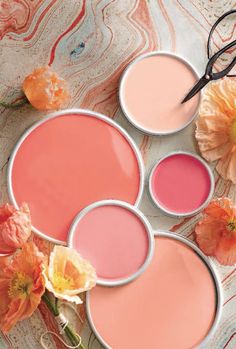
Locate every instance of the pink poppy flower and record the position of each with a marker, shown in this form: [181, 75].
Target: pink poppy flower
[15, 227]
[216, 232]
[216, 126]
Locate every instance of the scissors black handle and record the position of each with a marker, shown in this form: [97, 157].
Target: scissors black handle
[209, 74]
[213, 59]
[213, 29]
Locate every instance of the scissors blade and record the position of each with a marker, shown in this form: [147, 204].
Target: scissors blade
[199, 85]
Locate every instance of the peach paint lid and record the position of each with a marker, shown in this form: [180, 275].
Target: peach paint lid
[116, 238]
[181, 184]
[176, 303]
[69, 160]
[151, 90]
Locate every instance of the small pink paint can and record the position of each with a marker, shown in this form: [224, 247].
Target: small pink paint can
[116, 238]
[181, 184]
[151, 90]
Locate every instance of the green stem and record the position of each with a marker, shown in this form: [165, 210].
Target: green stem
[49, 304]
[69, 331]
[14, 105]
[56, 306]
[74, 338]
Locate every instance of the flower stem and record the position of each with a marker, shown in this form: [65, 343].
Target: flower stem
[50, 305]
[14, 105]
[69, 331]
[73, 336]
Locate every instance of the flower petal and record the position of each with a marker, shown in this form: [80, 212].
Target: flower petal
[45, 90]
[17, 309]
[22, 285]
[221, 95]
[6, 211]
[215, 126]
[216, 232]
[226, 251]
[29, 261]
[208, 234]
[15, 227]
[227, 166]
[69, 274]
[220, 209]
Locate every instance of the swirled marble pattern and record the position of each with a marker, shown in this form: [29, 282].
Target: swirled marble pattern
[90, 43]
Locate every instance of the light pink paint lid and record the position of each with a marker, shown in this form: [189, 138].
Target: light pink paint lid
[181, 184]
[116, 238]
[176, 303]
[151, 90]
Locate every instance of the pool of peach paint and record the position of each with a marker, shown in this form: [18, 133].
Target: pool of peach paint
[153, 89]
[181, 183]
[171, 306]
[67, 163]
[114, 240]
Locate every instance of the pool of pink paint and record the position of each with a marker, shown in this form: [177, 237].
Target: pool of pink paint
[180, 183]
[66, 163]
[114, 239]
[172, 305]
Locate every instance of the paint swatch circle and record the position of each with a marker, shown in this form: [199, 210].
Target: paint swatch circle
[181, 184]
[66, 162]
[176, 303]
[116, 238]
[151, 90]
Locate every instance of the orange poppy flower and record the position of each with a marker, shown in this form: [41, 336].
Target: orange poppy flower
[216, 126]
[15, 227]
[22, 285]
[216, 232]
[69, 274]
[45, 90]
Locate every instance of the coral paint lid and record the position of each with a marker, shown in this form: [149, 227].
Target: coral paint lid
[66, 162]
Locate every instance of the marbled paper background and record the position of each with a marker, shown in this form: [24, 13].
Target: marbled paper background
[90, 43]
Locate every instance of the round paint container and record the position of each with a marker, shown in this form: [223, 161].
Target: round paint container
[68, 161]
[176, 303]
[151, 90]
[181, 184]
[116, 238]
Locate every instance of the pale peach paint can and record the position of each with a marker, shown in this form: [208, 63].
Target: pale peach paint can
[151, 90]
[175, 304]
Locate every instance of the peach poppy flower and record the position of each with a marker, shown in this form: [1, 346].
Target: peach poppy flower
[45, 90]
[22, 285]
[216, 126]
[69, 274]
[15, 227]
[216, 232]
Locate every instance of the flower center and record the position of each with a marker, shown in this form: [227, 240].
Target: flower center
[233, 131]
[232, 225]
[61, 283]
[20, 285]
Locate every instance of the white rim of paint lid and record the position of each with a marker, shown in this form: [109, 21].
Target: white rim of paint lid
[178, 214]
[61, 113]
[217, 282]
[140, 216]
[121, 93]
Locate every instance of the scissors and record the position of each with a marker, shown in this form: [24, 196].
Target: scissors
[209, 75]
